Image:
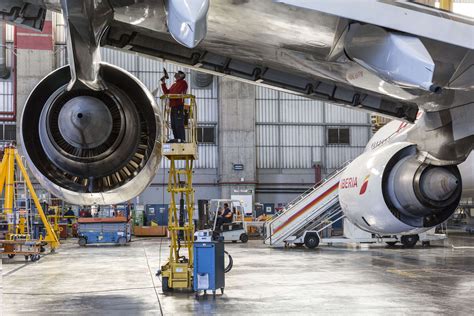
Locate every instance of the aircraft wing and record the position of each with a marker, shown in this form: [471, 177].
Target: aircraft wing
[404, 16]
[388, 57]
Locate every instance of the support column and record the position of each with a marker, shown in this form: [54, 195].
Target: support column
[237, 140]
[34, 60]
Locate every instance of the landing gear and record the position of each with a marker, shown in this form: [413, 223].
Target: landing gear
[311, 240]
[11, 256]
[409, 241]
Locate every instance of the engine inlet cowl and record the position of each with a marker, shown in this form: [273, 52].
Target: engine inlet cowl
[88, 146]
[393, 192]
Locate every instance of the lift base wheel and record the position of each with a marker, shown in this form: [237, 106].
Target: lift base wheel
[164, 285]
[122, 241]
[82, 241]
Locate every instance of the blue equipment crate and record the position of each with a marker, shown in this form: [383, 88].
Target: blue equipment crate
[157, 213]
[208, 266]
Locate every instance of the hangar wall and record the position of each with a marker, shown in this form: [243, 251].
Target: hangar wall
[283, 136]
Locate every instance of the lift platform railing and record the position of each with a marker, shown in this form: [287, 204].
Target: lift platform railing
[189, 102]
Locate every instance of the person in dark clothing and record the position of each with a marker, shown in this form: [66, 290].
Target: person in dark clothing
[69, 213]
[180, 86]
[225, 217]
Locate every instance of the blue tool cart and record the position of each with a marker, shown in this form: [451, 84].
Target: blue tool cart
[208, 267]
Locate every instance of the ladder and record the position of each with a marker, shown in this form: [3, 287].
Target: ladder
[22, 206]
[177, 273]
[17, 215]
[314, 210]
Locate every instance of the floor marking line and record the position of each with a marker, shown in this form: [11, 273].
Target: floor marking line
[14, 270]
[79, 293]
[153, 280]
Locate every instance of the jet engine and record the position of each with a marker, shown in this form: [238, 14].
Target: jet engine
[88, 146]
[391, 191]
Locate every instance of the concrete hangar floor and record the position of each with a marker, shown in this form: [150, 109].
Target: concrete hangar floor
[264, 281]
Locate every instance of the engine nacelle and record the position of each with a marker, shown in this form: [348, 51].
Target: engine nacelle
[389, 191]
[88, 146]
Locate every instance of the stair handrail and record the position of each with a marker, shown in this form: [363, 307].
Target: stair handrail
[271, 223]
[319, 183]
[311, 189]
[326, 204]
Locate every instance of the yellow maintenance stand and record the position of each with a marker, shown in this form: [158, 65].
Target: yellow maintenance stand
[18, 238]
[177, 273]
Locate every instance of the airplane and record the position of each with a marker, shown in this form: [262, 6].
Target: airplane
[400, 59]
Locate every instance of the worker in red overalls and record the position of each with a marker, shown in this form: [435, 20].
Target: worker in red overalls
[180, 86]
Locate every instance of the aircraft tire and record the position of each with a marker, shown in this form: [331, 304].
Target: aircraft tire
[409, 241]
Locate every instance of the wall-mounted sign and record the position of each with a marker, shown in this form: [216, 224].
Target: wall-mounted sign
[238, 166]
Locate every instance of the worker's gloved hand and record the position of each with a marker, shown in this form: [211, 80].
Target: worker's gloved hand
[186, 117]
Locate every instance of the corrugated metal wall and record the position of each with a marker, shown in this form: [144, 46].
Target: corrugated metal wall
[292, 131]
[7, 129]
[6, 93]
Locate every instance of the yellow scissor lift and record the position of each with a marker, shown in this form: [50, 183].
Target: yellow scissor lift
[18, 237]
[177, 273]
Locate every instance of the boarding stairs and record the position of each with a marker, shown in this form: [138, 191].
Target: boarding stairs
[314, 210]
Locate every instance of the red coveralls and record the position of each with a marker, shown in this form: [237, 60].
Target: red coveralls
[177, 108]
